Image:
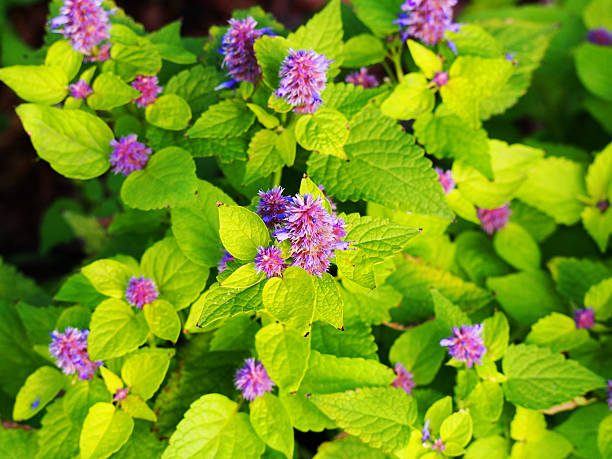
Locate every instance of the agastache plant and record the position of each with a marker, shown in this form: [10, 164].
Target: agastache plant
[253, 380]
[70, 350]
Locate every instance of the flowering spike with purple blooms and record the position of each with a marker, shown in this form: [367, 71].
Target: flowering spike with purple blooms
[403, 379]
[253, 380]
[466, 344]
[128, 155]
[438, 445]
[100, 54]
[362, 78]
[426, 435]
[140, 291]
[237, 49]
[80, 90]
[121, 394]
[584, 318]
[446, 180]
[426, 20]
[269, 260]
[440, 78]
[303, 77]
[227, 257]
[84, 23]
[271, 207]
[609, 389]
[70, 350]
[600, 36]
[494, 219]
[149, 89]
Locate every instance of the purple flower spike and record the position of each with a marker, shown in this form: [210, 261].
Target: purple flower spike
[440, 78]
[426, 436]
[271, 207]
[238, 52]
[494, 219]
[80, 90]
[140, 291]
[600, 36]
[147, 85]
[227, 257]
[403, 379]
[362, 78]
[100, 54]
[426, 20]
[584, 318]
[128, 155]
[35, 403]
[610, 394]
[85, 24]
[121, 394]
[466, 344]
[270, 261]
[303, 77]
[253, 380]
[70, 350]
[438, 446]
[446, 180]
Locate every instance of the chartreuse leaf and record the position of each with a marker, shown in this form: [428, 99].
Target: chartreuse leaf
[496, 333]
[109, 277]
[329, 305]
[473, 40]
[167, 41]
[371, 306]
[599, 175]
[291, 299]
[40, 388]
[195, 85]
[284, 353]
[75, 143]
[447, 313]
[456, 433]
[347, 446]
[137, 408]
[168, 180]
[271, 422]
[18, 443]
[41, 84]
[110, 91]
[241, 231]
[594, 68]
[170, 112]
[213, 427]
[268, 120]
[112, 382]
[243, 277]
[78, 289]
[581, 427]
[270, 52]
[492, 447]
[355, 341]
[305, 416]
[116, 329]
[575, 277]
[599, 297]
[361, 50]
[385, 167]
[178, 280]
[307, 186]
[604, 437]
[380, 416]
[598, 224]
[557, 332]
[264, 158]
[378, 15]
[533, 440]
[516, 246]
[163, 320]
[438, 412]
[133, 56]
[597, 13]
[428, 61]
[486, 402]
[61, 54]
[145, 370]
[286, 145]
[324, 132]
[228, 118]
[105, 430]
[540, 379]
[411, 98]
[348, 98]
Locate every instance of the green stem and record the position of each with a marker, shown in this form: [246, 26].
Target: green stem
[277, 176]
[388, 70]
[397, 62]
[151, 339]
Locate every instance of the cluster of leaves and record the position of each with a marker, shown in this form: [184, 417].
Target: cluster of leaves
[419, 263]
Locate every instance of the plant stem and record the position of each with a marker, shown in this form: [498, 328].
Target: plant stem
[277, 176]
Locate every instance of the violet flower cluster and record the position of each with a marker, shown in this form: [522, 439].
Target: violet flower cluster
[128, 155]
[85, 23]
[446, 180]
[584, 318]
[303, 77]
[253, 380]
[140, 291]
[437, 445]
[466, 344]
[403, 379]
[362, 78]
[149, 89]
[80, 90]
[600, 36]
[70, 350]
[426, 20]
[269, 260]
[493, 220]
[225, 259]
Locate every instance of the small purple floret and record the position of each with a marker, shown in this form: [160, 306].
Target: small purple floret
[70, 350]
[269, 260]
[440, 78]
[438, 446]
[494, 219]
[403, 379]
[426, 20]
[584, 318]
[227, 257]
[149, 89]
[128, 155]
[466, 344]
[603, 205]
[237, 49]
[362, 78]
[600, 36]
[271, 207]
[426, 435]
[446, 180]
[36, 403]
[140, 291]
[609, 389]
[303, 77]
[121, 394]
[253, 380]
[80, 90]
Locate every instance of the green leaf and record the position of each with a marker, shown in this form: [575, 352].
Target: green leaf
[291, 299]
[597, 14]
[243, 277]
[145, 370]
[163, 320]
[305, 416]
[486, 402]
[78, 289]
[142, 443]
[347, 446]
[264, 158]
[284, 353]
[496, 333]
[362, 50]
[18, 443]
[356, 340]
[557, 332]
[213, 427]
[116, 329]
[378, 15]
[109, 91]
[196, 85]
[599, 297]
[112, 382]
[178, 280]
[447, 313]
[242, 232]
[108, 277]
[322, 33]
[105, 430]
[271, 52]
[419, 350]
[598, 224]
[286, 146]
[438, 412]
[324, 132]
[328, 302]
[581, 427]
[228, 118]
[40, 388]
[61, 54]
[168, 180]
[575, 277]
[476, 257]
[594, 68]
[169, 112]
[137, 408]
[385, 167]
[236, 333]
[380, 416]
[167, 41]
[540, 379]
[428, 61]
[410, 98]
[348, 98]
[40, 84]
[75, 143]
[129, 59]
[493, 447]
[268, 120]
[604, 437]
[271, 422]
[473, 40]
[539, 225]
[457, 428]
[515, 245]
[370, 305]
